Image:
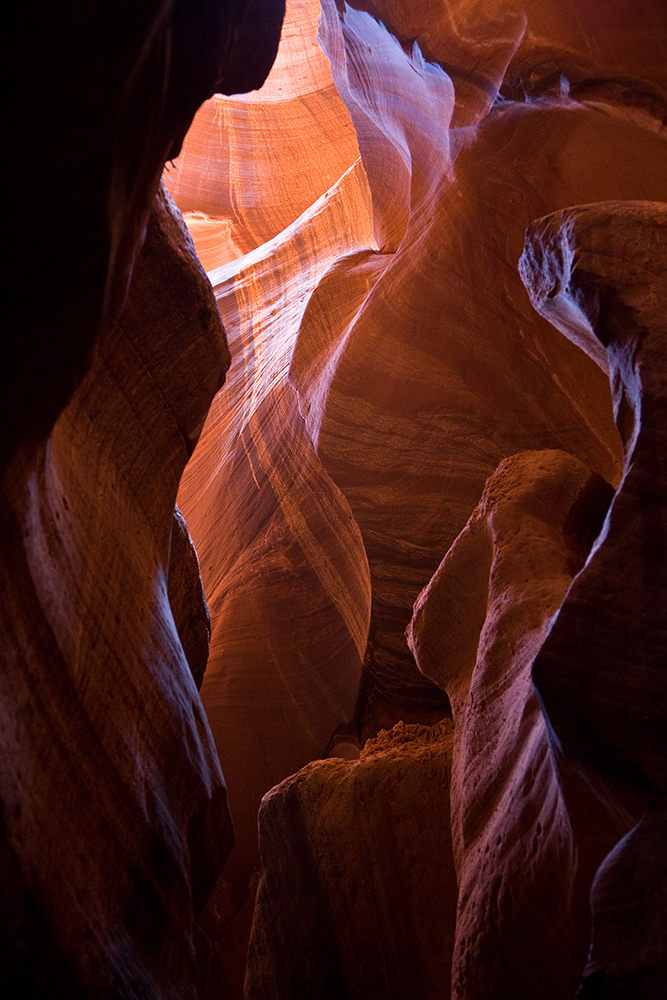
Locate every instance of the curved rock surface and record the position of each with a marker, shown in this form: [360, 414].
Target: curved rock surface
[115, 820]
[387, 359]
[253, 163]
[345, 908]
[598, 273]
[441, 368]
[526, 839]
[114, 93]
[520, 45]
[282, 561]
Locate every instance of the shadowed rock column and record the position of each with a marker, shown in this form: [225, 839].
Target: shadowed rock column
[598, 273]
[523, 869]
[357, 899]
[113, 804]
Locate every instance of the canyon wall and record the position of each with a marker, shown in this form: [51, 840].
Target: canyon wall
[114, 818]
[415, 365]
[370, 519]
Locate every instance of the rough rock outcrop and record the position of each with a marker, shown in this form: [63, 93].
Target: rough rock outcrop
[345, 907]
[597, 272]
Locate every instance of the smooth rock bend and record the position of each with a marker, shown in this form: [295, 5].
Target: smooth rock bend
[282, 559]
[252, 163]
[114, 93]
[417, 388]
[346, 908]
[597, 272]
[526, 839]
[115, 823]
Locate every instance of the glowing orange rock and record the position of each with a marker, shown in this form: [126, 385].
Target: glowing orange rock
[282, 560]
[437, 368]
[251, 164]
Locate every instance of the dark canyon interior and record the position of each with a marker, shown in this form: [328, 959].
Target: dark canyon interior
[334, 501]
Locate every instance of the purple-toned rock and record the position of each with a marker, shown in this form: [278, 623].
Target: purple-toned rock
[526, 841]
[115, 822]
[357, 898]
[598, 273]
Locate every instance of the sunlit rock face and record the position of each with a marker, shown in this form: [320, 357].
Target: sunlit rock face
[282, 559]
[252, 164]
[362, 222]
[442, 368]
[389, 359]
[114, 92]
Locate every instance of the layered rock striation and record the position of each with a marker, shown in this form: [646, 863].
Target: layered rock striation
[113, 817]
[420, 367]
[251, 164]
[115, 821]
[424, 404]
[282, 560]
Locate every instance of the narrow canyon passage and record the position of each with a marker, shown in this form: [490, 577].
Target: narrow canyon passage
[333, 511]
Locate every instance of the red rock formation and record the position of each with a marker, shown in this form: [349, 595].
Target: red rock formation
[526, 842]
[597, 272]
[282, 561]
[418, 369]
[439, 368]
[253, 163]
[114, 93]
[114, 808]
[114, 824]
[346, 908]
[386, 361]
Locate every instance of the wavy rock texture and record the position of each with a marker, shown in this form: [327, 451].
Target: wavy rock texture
[282, 560]
[387, 359]
[598, 273]
[526, 840]
[252, 164]
[518, 47]
[441, 369]
[386, 365]
[114, 93]
[113, 816]
[114, 807]
[345, 907]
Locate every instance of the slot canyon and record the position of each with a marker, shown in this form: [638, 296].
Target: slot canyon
[334, 501]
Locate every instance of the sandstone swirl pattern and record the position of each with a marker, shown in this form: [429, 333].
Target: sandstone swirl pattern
[252, 163]
[405, 365]
[114, 806]
[282, 560]
[442, 368]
